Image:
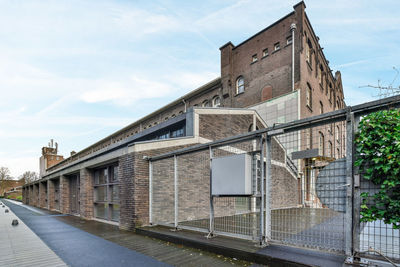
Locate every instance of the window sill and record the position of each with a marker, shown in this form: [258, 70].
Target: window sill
[253, 62]
[264, 56]
[275, 51]
[238, 94]
[288, 45]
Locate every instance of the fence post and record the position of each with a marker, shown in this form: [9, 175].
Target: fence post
[211, 231]
[356, 199]
[176, 191]
[268, 189]
[262, 232]
[349, 181]
[150, 192]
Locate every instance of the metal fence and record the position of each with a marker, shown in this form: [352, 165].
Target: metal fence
[305, 190]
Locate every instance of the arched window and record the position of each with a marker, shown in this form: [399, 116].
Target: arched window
[330, 149]
[320, 76]
[321, 143]
[337, 133]
[205, 103]
[309, 96]
[309, 52]
[216, 102]
[321, 108]
[240, 85]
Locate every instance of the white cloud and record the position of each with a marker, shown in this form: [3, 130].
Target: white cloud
[142, 22]
[18, 165]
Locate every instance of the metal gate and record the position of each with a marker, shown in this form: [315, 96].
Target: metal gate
[306, 192]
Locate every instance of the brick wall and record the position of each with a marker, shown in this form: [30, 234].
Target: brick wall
[86, 193]
[64, 195]
[134, 190]
[42, 195]
[51, 194]
[216, 126]
[284, 188]
[272, 71]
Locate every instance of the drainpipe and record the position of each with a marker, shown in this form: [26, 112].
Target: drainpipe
[184, 102]
[293, 28]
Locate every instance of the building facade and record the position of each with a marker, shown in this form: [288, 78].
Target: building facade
[278, 75]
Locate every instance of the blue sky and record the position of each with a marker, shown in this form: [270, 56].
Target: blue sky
[76, 71]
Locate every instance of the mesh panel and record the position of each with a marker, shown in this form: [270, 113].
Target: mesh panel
[308, 187]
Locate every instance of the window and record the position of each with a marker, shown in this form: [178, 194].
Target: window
[265, 52]
[309, 96]
[309, 138]
[277, 46]
[254, 58]
[338, 152]
[178, 133]
[309, 52]
[321, 108]
[321, 143]
[330, 93]
[205, 103]
[216, 101]
[240, 85]
[337, 133]
[320, 76]
[330, 149]
[289, 40]
[106, 193]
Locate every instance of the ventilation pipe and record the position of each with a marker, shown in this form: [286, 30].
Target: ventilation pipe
[293, 28]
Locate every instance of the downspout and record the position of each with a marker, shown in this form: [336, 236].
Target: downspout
[293, 28]
[184, 102]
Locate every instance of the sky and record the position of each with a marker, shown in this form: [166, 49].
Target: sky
[77, 71]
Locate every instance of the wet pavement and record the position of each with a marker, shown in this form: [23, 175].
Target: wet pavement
[90, 243]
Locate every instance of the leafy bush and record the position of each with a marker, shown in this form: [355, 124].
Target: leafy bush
[19, 198]
[378, 156]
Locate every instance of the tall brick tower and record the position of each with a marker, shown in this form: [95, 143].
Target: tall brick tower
[49, 157]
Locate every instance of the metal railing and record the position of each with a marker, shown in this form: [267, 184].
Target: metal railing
[304, 192]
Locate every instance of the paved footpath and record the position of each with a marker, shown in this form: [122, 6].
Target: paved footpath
[74, 246]
[19, 246]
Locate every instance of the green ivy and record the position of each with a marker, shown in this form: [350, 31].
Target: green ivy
[378, 156]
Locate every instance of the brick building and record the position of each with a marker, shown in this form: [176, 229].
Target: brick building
[278, 75]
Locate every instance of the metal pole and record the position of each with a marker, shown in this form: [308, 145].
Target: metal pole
[293, 28]
[356, 199]
[211, 197]
[150, 192]
[262, 232]
[268, 191]
[176, 190]
[349, 181]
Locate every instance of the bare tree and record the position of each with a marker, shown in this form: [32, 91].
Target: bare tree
[4, 177]
[29, 177]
